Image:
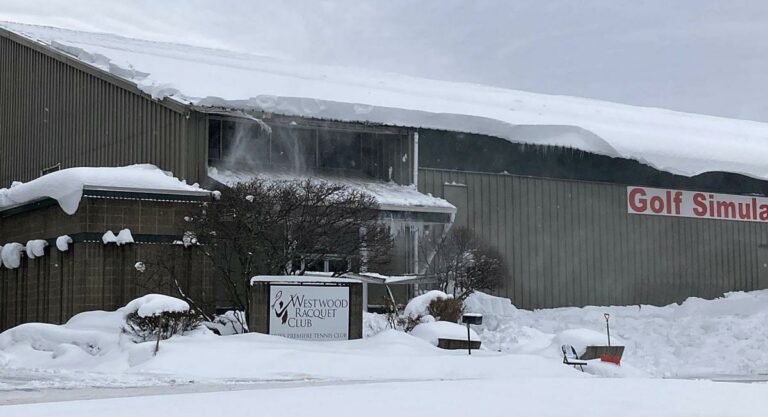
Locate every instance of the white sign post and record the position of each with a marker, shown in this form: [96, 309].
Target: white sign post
[306, 312]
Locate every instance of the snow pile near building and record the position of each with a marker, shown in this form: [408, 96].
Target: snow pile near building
[680, 143]
[389, 195]
[93, 342]
[435, 330]
[66, 186]
[699, 337]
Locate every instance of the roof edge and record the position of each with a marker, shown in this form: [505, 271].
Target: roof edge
[67, 59]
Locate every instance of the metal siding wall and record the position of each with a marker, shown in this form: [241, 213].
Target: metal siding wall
[573, 243]
[53, 112]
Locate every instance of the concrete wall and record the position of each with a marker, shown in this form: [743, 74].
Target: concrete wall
[572, 243]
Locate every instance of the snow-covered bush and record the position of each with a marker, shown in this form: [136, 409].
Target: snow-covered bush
[229, 323]
[432, 306]
[419, 306]
[158, 317]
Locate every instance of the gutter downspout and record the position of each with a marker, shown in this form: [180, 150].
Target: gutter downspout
[415, 159]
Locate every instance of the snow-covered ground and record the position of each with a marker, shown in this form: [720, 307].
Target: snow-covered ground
[518, 370]
[727, 336]
[486, 398]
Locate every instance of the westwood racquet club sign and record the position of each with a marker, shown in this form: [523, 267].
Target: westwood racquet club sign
[309, 312]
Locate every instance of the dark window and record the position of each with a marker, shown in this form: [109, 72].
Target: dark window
[214, 140]
[338, 265]
[373, 164]
[339, 150]
[315, 266]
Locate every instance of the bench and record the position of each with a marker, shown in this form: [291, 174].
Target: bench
[571, 358]
[597, 352]
[457, 344]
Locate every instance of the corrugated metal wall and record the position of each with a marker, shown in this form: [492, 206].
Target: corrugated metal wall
[55, 110]
[573, 242]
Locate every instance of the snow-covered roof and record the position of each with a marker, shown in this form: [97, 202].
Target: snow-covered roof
[680, 143]
[303, 279]
[66, 186]
[389, 195]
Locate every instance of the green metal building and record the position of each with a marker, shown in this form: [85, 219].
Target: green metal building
[558, 215]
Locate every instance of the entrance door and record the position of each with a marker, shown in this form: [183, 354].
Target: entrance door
[762, 275]
[456, 194]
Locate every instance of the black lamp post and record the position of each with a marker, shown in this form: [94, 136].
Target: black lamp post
[471, 318]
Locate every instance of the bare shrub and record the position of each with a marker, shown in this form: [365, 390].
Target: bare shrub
[263, 227]
[161, 326]
[463, 263]
[446, 309]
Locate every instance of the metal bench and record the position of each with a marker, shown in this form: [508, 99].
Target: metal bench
[571, 358]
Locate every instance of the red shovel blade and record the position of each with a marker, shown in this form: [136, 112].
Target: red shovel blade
[611, 359]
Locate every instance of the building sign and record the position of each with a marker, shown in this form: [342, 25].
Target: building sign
[309, 312]
[696, 204]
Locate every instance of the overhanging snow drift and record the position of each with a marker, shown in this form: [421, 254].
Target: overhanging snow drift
[389, 195]
[680, 143]
[66, 186]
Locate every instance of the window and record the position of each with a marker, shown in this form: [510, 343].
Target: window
[294, 148]
[236, 142]
[339, 150]
[214, 140]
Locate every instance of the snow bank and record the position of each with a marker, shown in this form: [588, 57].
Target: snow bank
[418, 306]
[680, 143]
[66, 186]
[11, 254]
[374, 324]
[581, 338]
[155, 304]
[92, 341]
[489, 305]
[696, 338]
[430, 332]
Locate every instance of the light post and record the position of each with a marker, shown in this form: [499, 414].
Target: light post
[471, 318]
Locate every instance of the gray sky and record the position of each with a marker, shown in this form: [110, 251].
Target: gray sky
[703, 56]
